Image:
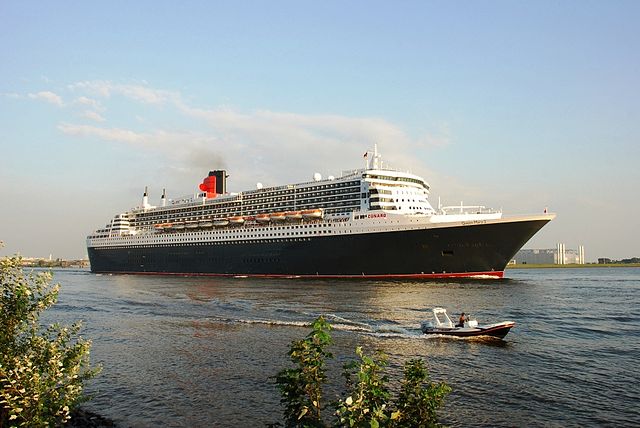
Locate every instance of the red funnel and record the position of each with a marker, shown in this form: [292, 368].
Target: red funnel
[209, 185]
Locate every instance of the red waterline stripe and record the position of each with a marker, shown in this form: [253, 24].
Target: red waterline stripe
[489, 274]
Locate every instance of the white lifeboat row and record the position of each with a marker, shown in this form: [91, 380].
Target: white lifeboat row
[312, 214]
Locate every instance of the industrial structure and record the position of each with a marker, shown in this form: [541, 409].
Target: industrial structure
[558, 256]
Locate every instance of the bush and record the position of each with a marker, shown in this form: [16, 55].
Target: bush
[301, 387]
[367, 400]
[42, 370]
[419, 398]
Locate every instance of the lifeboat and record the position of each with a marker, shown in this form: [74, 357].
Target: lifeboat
[312, 214]
[293, 215]
[206, 224]
[277, 217]
[221, 222]
[263, 218]
[178, 226]
[237, 220]
[191, 225]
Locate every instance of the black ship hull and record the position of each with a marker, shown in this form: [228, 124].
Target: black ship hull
[440, 252]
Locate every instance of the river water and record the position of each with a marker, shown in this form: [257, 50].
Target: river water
[185, 351]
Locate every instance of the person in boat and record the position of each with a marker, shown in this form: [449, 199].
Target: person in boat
[461, 320]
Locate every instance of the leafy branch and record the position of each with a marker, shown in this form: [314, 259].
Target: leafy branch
[367, 401]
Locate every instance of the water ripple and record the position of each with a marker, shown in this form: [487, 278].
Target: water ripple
[202, 351]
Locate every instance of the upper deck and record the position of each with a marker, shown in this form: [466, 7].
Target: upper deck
[371, 189]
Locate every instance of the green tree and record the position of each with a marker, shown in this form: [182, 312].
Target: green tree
[419, 398]
[368, 394]
[42, 370]
[301, 387]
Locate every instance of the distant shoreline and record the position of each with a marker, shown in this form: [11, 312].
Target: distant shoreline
[571, 266]
[58, 263]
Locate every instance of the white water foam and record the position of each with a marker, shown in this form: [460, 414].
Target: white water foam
[382, 331]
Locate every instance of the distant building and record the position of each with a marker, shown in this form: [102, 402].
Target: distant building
[536, 257]
[559, 256]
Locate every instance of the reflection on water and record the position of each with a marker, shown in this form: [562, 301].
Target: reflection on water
[200, 351]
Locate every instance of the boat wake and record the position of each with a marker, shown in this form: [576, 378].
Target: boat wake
[377, 329]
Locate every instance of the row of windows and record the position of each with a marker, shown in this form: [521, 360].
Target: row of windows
[257, 195]
[252, 241]
[268, 196]
[254, 236]
[291, 188]
[354, 202]
[200, 212]
[273, 234]
[313, 225]
[379, 199]
[404, 179]
[304, 192]
[241, 231]
[375, 191]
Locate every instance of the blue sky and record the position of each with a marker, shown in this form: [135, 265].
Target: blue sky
[514, 105]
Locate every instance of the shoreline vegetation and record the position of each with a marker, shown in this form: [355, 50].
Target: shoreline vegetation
[57, 263]
[43, 368]
[570, 266]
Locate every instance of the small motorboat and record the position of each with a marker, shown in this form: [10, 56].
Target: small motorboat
[471, 328]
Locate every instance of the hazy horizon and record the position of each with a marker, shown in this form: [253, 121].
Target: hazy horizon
[514, 106]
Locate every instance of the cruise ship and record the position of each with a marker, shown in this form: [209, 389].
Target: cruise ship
[372, 222]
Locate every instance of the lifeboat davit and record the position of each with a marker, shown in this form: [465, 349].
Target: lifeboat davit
[277, 217]
[312, 214]
[293, 215]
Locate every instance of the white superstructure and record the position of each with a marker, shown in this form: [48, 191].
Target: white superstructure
[372, 199]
